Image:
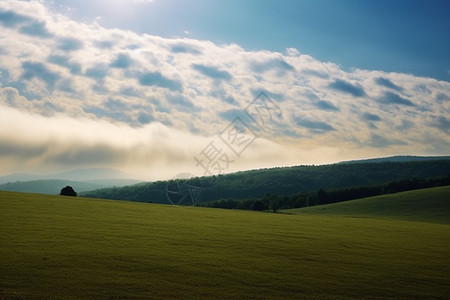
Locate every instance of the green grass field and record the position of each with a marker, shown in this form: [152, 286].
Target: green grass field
[428, 205]
[56, 247]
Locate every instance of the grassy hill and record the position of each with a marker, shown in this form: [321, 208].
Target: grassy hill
[70, 248]
[429, 205]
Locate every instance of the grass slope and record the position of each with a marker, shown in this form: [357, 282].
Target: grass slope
[56, 247]
[429, 205]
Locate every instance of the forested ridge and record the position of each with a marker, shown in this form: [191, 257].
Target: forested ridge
[283, 181]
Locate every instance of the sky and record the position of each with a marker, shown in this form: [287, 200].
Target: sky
[163, 87]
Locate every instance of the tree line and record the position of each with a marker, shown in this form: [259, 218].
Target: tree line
[297, 200]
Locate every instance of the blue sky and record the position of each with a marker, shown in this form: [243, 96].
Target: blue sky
[155, 88]
[396, 36]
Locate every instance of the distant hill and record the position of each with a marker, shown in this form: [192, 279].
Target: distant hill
[280, 181]
[430, 205]
[54, 186]
[80, 179]
[91, 174]
[397, 158]
[47, 186]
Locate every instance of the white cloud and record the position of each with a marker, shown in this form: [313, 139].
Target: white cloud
[119, 81]
[153, 151]
[144, 1]
[292, 52]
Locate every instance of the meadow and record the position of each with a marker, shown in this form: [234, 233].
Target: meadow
[427, 205]
[71, 248]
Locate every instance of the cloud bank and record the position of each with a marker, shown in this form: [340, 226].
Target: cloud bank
[76, 95]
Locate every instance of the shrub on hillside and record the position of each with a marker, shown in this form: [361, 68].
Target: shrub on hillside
[68, 191]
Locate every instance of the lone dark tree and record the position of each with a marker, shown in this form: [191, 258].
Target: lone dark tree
[68, 191]
[274, 204]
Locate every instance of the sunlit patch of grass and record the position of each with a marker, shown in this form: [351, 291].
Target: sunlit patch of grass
[427, 205]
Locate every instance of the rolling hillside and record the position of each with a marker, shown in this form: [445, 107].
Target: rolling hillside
[48, 186]
[283, 181]
[81, 180]
[91, 175]
[53, 186]
[429, 205]
[57, 247]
